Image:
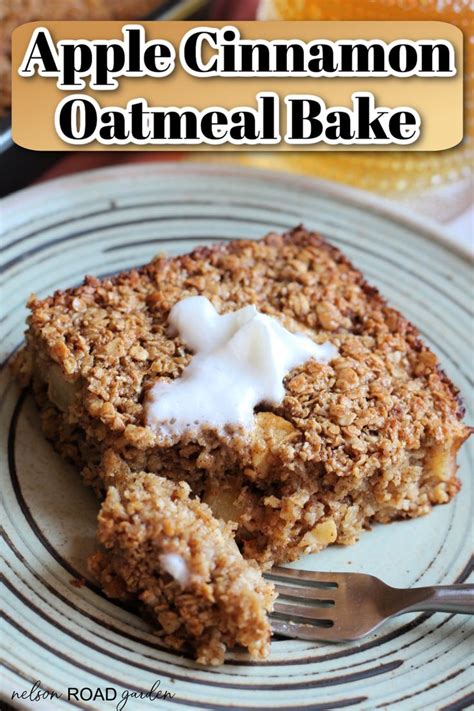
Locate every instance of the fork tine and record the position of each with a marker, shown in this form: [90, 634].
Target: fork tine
[306, 632]
[304, 612]
[304, 592]
[305, 576]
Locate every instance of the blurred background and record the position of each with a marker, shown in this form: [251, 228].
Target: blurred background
[438, 185]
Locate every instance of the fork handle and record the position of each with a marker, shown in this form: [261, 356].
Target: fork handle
[438, 598]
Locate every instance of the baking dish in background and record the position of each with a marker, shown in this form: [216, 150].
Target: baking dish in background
[18, 166]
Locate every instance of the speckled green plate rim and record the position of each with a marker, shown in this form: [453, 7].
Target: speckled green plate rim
[106, 220]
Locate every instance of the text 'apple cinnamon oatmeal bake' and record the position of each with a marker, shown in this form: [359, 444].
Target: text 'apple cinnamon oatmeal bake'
[288, 396]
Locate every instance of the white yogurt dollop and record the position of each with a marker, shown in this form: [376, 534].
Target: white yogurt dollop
[175, 565]
[240, 361]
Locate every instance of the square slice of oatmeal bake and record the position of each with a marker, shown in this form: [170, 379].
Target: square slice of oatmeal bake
[369, 435]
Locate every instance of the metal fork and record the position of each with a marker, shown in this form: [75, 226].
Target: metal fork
[337, 607]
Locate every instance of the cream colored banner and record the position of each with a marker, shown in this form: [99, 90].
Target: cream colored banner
[437, 100]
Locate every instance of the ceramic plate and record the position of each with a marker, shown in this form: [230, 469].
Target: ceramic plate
[70, 636]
